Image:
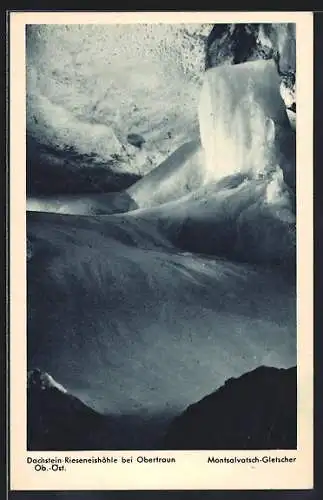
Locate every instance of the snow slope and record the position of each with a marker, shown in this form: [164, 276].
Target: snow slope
[236, 218]
[123, 319]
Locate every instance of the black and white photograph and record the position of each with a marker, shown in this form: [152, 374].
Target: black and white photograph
[161, 252]
[161, 236]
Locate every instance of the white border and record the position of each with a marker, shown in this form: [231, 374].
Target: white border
[191, 470]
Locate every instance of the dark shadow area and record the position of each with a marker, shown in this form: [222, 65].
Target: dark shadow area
[255, 411]
[58, 421]
[237, 43]
[56, 171]
[201, 238]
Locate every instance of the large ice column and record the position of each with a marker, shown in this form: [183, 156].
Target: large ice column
[244, 126]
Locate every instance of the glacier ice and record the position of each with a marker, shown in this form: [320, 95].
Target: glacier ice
[243, 121]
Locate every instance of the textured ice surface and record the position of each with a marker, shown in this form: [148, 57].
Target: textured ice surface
[90, 86]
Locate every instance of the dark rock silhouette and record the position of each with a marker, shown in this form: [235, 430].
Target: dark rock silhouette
[233, 44]
[255, 411]
[59, 421]
[238, 43]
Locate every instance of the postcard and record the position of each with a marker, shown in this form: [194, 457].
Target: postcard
[161, 250]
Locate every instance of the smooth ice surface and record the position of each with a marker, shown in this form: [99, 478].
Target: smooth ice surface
[130, 324]
[181, 173]
[241, 113]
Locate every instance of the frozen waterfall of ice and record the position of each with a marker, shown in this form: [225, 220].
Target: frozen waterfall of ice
[242, 120]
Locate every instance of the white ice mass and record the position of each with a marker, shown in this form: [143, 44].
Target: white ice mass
[243, 119]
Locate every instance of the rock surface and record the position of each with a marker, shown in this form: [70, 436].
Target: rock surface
[59, 421]
[255, 411]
